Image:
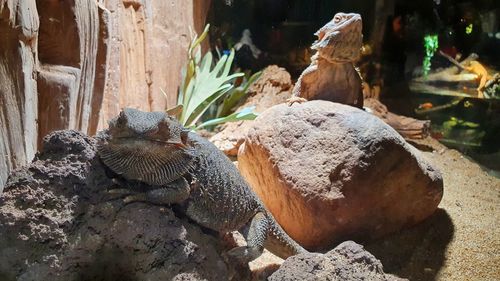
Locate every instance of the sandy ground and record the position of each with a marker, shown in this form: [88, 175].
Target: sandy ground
[461, 241]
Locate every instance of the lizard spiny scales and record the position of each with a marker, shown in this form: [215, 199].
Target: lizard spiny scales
[180, 167]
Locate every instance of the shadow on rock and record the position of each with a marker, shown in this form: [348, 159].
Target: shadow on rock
[417, 253]
[109, 264]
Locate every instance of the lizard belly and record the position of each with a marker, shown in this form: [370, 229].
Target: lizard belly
[337, 83]
[220, 198]
[225, 216]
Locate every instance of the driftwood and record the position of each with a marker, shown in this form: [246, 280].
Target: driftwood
[418, 87]
[452, 73]
[439, 107]
[407, 127]
[452, 60]
[478, 76]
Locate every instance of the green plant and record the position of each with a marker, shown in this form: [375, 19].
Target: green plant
[203, 84]
[431, 45]
[246, 113]
[236, 94]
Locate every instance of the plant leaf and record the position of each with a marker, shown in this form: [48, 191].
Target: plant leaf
[236, 94]
[207, 85]
[245, 114]
[198, 112]
[201, 38]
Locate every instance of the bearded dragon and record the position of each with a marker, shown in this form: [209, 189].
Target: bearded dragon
[332, 75]
[176, 166]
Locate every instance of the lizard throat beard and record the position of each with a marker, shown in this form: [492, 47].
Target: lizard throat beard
[147, 162]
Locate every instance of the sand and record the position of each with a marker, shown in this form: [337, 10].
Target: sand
[461, 241]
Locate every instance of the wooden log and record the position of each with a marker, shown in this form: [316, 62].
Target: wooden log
[19, 25]
[449, 73]
[148, 50]
[407, 127]
[71, 33]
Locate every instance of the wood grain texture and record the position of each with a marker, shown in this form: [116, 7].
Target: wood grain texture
[19, 25]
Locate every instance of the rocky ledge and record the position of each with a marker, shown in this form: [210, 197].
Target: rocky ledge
[58, 222]
[348, 261]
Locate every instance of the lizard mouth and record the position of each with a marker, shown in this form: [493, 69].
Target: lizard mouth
[178, 144]
[154, 162]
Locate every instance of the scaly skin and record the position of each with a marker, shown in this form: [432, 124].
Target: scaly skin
[176, 166]
[332, 75]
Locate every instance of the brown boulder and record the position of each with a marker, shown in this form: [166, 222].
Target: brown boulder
[348, 261]
[273, 87]
[330, 172]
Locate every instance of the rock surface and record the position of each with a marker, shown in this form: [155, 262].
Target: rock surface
[348, 261]
[273, 87]
[329, 172]
[57, 222]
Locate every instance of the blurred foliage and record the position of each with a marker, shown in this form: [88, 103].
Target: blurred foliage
[431, 45]
[462, 131]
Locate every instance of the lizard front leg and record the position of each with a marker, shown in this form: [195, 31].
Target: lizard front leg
[175, 192]
[299, 92]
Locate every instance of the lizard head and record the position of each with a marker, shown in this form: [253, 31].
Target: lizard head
[147, 146]
[341, 39]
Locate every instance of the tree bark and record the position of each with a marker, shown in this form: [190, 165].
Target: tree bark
[19, 25]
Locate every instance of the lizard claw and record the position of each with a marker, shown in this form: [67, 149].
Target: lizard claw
[139, 197]
[244, 254]
[120, 191]
[293, 100]
[130, 195]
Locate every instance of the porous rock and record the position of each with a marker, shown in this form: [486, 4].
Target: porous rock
[348, 261]
[273, 87]
[58, 222]
[330, 172]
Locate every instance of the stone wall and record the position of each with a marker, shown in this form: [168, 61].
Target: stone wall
[74, 64]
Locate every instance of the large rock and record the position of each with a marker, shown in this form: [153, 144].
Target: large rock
[273, 87]
[348, 261]
[330, 172]
[57, 222]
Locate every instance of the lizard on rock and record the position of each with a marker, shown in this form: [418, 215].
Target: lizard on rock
[176, 166]
[332, 75]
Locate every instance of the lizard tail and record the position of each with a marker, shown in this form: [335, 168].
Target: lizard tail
[279, 243]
